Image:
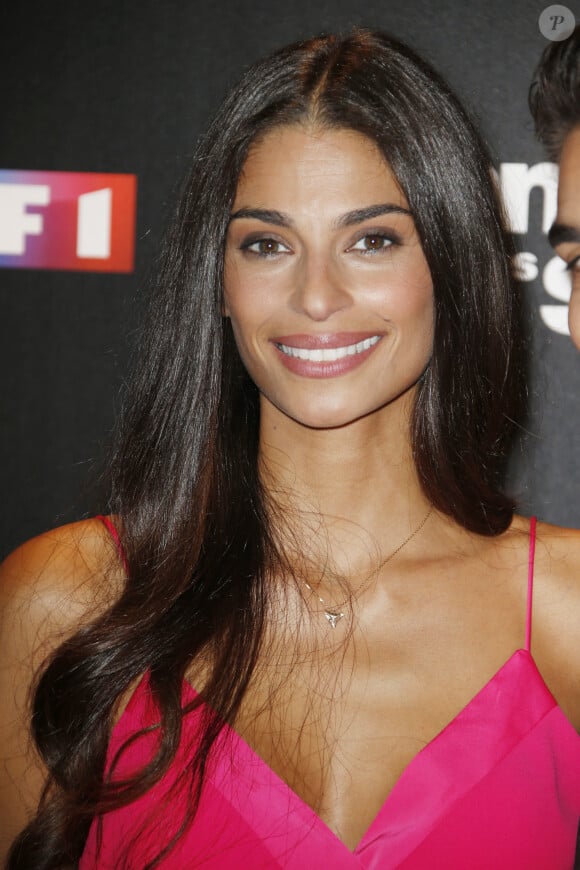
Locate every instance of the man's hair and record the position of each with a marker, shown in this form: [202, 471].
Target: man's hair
[554, 96]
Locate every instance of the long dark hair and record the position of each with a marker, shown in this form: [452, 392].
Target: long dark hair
[194, 519]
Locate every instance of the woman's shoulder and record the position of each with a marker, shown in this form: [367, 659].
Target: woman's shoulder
[49, 588]
[558, 546]
[59, 579]
[553, 553]
[558, 553]
[556, 589]
[556, 614]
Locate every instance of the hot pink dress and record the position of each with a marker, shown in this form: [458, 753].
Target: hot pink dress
[498, 788]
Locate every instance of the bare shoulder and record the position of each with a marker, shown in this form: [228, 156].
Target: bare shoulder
[61, 578]
[49, 587]
[556, 614]
[557, 564]
[557, 549]
[561, 541]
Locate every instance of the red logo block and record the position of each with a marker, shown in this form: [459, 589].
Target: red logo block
[67, 220]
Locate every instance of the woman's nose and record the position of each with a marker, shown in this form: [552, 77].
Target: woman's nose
[319, 290]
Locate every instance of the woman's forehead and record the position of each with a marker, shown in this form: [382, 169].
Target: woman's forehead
[298, 161]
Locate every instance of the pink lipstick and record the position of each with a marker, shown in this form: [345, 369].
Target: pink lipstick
[324, 356]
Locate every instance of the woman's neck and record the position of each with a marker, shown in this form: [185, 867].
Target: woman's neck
[349, 495]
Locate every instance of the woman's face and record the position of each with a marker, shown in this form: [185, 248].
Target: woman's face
[326, 285]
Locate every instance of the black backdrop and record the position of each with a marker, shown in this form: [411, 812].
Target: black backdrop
[126, 87]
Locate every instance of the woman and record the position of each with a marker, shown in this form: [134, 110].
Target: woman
[315, 558]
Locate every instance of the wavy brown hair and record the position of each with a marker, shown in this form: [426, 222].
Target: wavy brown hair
[195, 520]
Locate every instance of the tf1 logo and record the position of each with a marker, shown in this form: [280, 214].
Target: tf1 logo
[67, 220]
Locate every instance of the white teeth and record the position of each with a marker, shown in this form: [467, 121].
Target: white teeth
[328, 354]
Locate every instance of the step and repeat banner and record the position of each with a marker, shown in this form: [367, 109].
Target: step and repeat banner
[102, 103]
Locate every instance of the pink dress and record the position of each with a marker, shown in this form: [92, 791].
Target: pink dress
[498, 788]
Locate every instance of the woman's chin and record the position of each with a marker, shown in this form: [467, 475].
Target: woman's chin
[321, 418]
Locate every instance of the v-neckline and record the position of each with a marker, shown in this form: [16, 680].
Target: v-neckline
[397, 795]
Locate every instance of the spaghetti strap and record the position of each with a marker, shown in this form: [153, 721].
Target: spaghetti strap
[112, 530]
[532, 551]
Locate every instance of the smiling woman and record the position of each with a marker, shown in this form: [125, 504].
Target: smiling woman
[327, 288]
[303, 638]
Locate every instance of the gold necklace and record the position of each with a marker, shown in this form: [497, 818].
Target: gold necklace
[334, 615]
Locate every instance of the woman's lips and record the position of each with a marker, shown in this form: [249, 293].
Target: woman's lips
[323, 356]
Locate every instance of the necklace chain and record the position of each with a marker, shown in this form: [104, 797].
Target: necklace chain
[334, 615]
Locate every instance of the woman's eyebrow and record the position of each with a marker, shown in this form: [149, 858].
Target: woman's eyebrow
[268, 216]
[357, 216]
[371, 211]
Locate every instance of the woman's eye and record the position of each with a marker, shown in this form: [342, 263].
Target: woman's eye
[574, 265]
[265, 247]
[372, 243]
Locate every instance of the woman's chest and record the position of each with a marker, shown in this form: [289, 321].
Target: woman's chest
[499, 785]
[341, 740]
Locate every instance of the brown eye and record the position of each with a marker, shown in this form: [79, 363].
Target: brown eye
[372, 243]
[265, 247]
[268, 246]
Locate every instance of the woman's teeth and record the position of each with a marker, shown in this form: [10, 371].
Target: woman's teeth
[328, 354]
